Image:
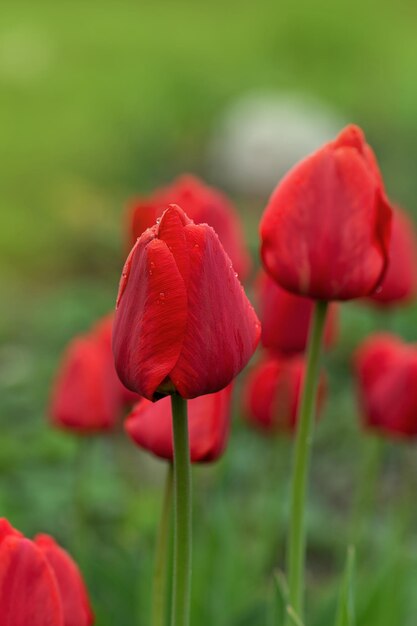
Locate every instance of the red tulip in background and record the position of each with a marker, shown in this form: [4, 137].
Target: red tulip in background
[183, 322]
[273, 391]
[400, 282]
[325, 232]
[88, 396]
[40, 585]
[386, 370]
[285, 318]
[202, 204]
[150, 426]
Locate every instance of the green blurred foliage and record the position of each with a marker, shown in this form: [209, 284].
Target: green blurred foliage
[103, 100]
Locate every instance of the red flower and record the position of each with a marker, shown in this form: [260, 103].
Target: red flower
[88, 396]
[400, 282]
[40, 584]
[183, 321]
[285, 318]
[150, 426]
[386, 370]
[325, 232]
[203, 204]
[273, 393]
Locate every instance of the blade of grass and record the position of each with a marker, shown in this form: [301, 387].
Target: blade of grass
[346, 610]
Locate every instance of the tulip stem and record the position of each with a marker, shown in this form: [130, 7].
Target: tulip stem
[182, 509]
[160, 574]
[297, 540]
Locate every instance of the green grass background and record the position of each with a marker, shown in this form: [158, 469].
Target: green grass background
[99, 100]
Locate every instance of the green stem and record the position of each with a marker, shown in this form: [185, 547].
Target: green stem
[160, 574]
[182, 528]
[297, 541]
[366, 488]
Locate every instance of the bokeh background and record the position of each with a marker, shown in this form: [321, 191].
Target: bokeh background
[102, 101]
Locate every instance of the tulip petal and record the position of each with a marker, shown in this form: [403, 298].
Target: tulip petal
[74, 597]
[222, 329]
[151, 317]
[171, 231]
[400, 281]
[28, 590]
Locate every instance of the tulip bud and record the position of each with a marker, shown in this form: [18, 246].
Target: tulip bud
[285, 318]
[326, 230]
[273, 393]
[386, 370]
[88, 396]
[183, 322]
[150, 426]
[202, 204]
[39, 583]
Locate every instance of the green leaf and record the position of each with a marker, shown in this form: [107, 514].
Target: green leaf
[346, 609]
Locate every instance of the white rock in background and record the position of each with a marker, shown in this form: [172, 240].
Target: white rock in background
[262, 135]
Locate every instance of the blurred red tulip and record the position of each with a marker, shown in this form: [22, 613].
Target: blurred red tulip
[182, 321]
[150, 426]
[88, 396]
[285, 318]
[325, 232]
[273, 393]
[202, 204]
[400, 282]
[40, 585]
[386, 370]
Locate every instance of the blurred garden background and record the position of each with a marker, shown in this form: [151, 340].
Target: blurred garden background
[100, 102]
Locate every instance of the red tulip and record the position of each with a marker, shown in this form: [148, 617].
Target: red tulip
[400, 282]
[203, 204]
[88, 396]
[183, 321]
[150, 426]
[386, 370]
[40, 584]
[325, 232]
[273, 393]
[285, 318]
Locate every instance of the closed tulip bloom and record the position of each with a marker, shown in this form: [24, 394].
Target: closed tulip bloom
[88, 396]
[386, 370]
[202, 204]
[400, 282]
[285, 318]
[273, 391]
[183, 322]
[150, 426]
[325, 232]
[40, 584]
